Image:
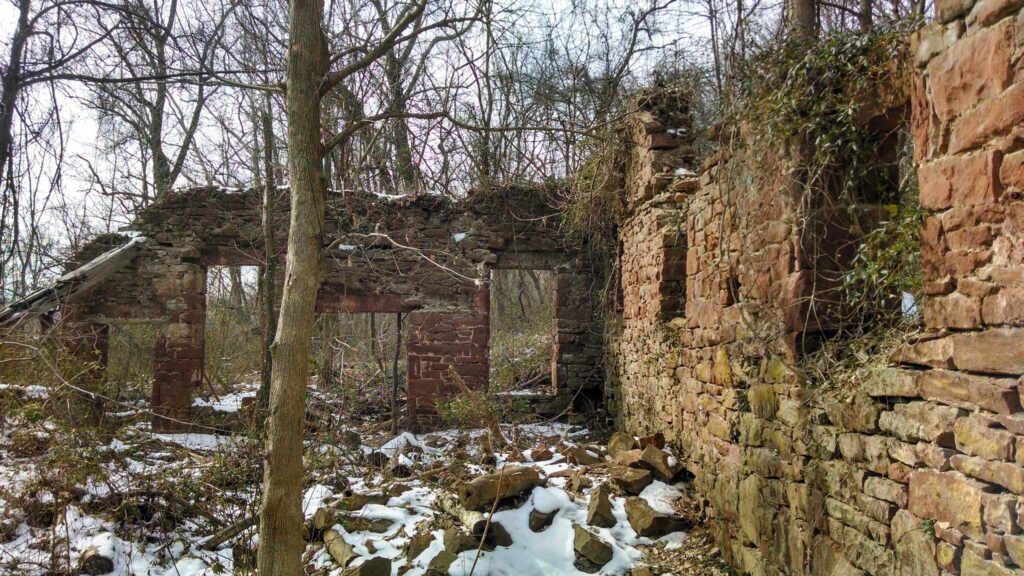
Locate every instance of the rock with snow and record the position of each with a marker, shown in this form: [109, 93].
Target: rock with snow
[649, 522]
[481, 492]
[540, 520]
[439, 564]
[93, 562]
[589, 547]
[630, 480]
[376, 566]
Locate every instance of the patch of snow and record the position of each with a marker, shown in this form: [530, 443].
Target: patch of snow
[459, 236]
[681, 172]
[228, 403]
[661, 496]
[673, 541]
[314, 498]
[198, 442]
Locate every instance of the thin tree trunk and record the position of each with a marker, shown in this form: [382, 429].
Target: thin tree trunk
[281, 544]
[394, 373]
[269, 270]
[10, 88]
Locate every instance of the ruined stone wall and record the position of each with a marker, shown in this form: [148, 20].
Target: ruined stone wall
[428, 256]
[918, 468]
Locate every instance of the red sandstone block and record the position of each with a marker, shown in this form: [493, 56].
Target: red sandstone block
[990, 118]
[949, 10]
[1004, 307]
[957, 180]
[974, 69]
[952, 311]
[987, 12]
[1011, 172]
[963, 262]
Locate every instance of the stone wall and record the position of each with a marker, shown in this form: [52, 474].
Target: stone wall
[917, 467]
[428, 256]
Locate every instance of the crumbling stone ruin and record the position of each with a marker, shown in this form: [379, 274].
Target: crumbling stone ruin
[425, 256]
[918, 469]
[726, 281]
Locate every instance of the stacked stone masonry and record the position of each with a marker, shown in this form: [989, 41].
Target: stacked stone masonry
[426, 256]
[917, 470]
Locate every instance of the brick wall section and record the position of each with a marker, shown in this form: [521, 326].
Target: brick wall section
[919, 468]
[438, 343]
[576, 370]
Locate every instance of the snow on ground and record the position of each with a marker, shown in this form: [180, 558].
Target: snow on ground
[137, 456]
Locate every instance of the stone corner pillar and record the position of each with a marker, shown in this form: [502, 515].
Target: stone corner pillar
[180, 349]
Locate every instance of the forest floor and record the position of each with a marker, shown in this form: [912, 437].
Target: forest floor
[129, 501]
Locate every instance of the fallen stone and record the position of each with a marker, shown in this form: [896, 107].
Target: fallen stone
[539, 521]
[630, 480]
[578, 482]
[599, 511]
[375, 566]
[481, 492]
[580, 456]
[657, 462]
[629, 457]
[417, 544]
[657, 440]
[541, 454]
[438, 566]
[497, 535]
[357, 501]
[590, 547]
[457, 541]
[647, 521]
[94, 563]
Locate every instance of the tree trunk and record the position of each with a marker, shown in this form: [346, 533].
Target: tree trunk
[802, 18]
[281, 519]
[866, 17]
[10, 88]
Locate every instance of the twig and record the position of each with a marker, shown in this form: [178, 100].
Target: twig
[487, 525]
[229, 532]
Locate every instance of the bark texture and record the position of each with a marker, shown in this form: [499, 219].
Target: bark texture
[281, 544]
